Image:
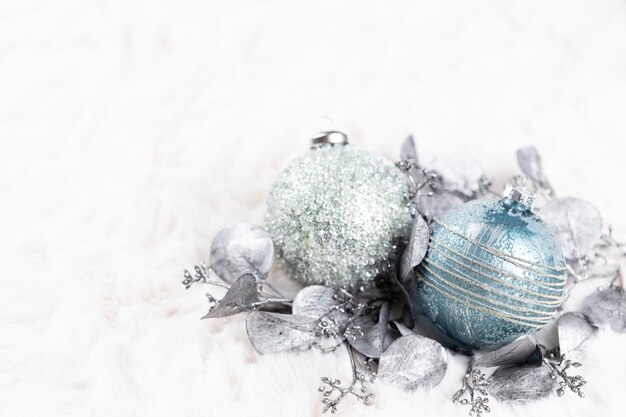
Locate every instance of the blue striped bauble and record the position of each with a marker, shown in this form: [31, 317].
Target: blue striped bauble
[493, 272]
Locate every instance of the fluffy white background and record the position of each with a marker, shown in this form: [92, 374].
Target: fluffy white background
[132, 131]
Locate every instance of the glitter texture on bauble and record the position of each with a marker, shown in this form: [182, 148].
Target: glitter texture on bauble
[493, 272]
[337, 216]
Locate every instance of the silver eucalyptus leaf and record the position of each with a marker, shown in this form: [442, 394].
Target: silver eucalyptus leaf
[314, 301]
[515, 353]
[459, 173]
[529, 162]
[521, 385]
[372, 343]
[413, 362]
[274, 332]
[416, 249]
[576, 223]
[241, 296]
[402, 308]
[574, 330]
[408, 157]
[240, 249]
[403, 330]
[607, 306]
[436, 205]
[408, 151]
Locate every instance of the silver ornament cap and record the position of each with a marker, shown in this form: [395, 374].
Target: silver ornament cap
[519, 195]
[329, 137]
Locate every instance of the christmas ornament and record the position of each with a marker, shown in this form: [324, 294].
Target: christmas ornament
[338, 213]
[493, 271]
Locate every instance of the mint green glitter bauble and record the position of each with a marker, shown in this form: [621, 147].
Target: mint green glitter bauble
[337, 214]
[493, 272]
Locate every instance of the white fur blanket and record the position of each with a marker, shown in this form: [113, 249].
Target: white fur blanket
[132, 131]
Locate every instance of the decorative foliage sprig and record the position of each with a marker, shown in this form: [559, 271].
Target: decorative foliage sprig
[333, 392]
[559, 366]
[474, 392]
[201, 275]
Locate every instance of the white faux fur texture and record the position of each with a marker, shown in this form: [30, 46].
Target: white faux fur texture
[131, 131]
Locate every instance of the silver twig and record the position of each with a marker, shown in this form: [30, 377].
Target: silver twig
[265, 286]
[267, 301]
[474, 392]
[201, 275]
[267, 295]
[428, 180]
[333, 392]
[558, 367]
[338, 322]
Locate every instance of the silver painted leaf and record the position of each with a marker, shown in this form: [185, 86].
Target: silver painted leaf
[515, 353]
[274, 332]
[372, 343]
[314, 301]
[436, 205]
[520, 385]
[409, 154]
[413, 362]
[576, 223]
[416, 249]
[458, 173]
[607, 306]
[574, 330]
[408, 150]
[402, 308]
[403, 330]
[242, 249]
[241, 296]
[529, 162]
